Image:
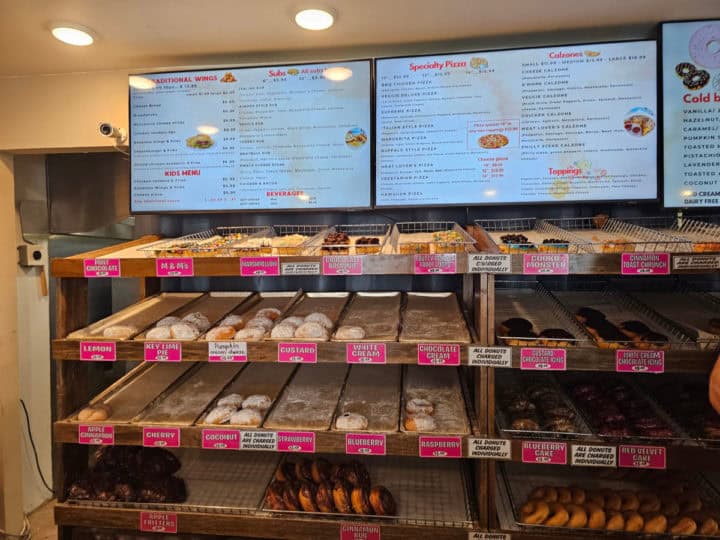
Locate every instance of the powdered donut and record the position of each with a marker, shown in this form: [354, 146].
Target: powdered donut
[282, 331]
[705, 46]
[119, 331]
[419, 406]
[351, 421]
[250, 334]
[198, 320]
[320, 318]
[167, 321]
[236, 321]
[231, 400]
[269, 313]
[349, 332]
[258, 402]
[160, 332]
[311, 330]
[293, 321]
[260, 322]
[219, 415]
[220, 333]
[246, 417]
[184, 330]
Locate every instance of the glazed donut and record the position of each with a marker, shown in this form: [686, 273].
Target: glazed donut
[558, 516]
[350, 421]
[419, 406]
[534, 512]
[596, 497]
[683, 69]
[634, 522]
[293, 321]
[545, 493]
[613, 502]
[303, 470]
[699, 49]
[220, 333]
[615, 522]
[286, 472]
[236, 321]
[564, 495]
[649, 503]
[360, 501]
[578, 516]
[684, 526]
[269, 313]
[231, 400]
[382, 501]
[656, 523]
[341, 497]
[259, 402]
[274, 495]
[321, 470]
[596, 516]
[709, 527]
[324, 498]
[290, 498]
[690, 502]
[306, 496]
[578, 495]
[630, 501]
[420, 422]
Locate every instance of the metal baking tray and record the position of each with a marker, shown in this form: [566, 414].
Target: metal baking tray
[215, 242]
[141, 315]
[381, 231]
[530, 300]
[416, 237]
[410, 480]
[378, 313]
[508, 379]
[535, 230]
[331, 304]
[433, 318]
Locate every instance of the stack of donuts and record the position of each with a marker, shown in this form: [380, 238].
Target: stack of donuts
[320, 486]
[678, 510]
[519, 332]
[629, 333]
[536, 406]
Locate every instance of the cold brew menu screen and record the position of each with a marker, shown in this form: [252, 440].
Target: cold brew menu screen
[691, 107]
[557, 124]
[286, 137]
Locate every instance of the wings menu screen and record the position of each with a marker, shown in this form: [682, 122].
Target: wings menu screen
[285, 137]
[691, 113]
[572, 123]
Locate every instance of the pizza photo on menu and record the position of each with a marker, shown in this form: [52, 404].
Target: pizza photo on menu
[356, 137]
[200, 141]
[493, 141]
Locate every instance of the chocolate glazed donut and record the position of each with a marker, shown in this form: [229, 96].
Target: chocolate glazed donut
[361, 501]
[324, 498]
[306, 496]
[341, 497]
[382, 501]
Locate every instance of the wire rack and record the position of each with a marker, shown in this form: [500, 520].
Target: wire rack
[536, 231]
[412, 481]
[377, 230]
[463, 243]
[704, 235]
[217, 241]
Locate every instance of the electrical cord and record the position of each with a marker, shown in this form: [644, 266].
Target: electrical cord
[34, 449]
[25, 534]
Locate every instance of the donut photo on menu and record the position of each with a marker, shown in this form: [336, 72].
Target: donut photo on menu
[356, 137]
[639, 122]
[228, 77]
[492, 141]
[200, 141]
[705, 46]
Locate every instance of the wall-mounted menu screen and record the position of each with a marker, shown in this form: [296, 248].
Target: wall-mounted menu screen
[265, 138]
[691, 113]
[573, 123]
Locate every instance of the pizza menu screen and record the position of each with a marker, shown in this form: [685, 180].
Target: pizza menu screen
[287, 137]
[571, 123]
[691, 113]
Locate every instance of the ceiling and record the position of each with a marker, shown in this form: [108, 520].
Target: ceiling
[136, 34]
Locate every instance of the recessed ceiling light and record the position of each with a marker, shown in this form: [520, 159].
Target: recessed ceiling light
[141, 83]
[337, 73]
[314, 19]
[72, 34]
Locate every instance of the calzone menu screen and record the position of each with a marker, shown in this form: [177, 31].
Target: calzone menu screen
[691, 113]
[571, 123]
[285, 137]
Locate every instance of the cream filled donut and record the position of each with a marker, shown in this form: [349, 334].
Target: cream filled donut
[260, 402]
[219, 415]
[167, 321]
[250, 334]
[184, 330]
[160, 332]
[311, 330]
[282, 331]
[269, 313]
[198, 320]
[231, 400]
[350, 421]
[246, 417]
[320, 318]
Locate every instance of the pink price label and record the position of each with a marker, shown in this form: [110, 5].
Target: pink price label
[296, 441]
[545, 453]
[365, 353]
[342, 265]
[537, 359]
[642, 457]
[639, 361]
[259, 266]
[96, 268]
[438, 354]
[365, 444]
[359, 531]
[175, 267]
[440, 447]
[439, 263]
[96, 434]
[159, 522]
[161, 437]
[546, 264]
[163, 351]
[644, 264]
[98, 351]
[297, 353]
[221, 439]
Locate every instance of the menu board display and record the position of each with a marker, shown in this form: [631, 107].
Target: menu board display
[691, 113]
[573, 123]
[265, 138]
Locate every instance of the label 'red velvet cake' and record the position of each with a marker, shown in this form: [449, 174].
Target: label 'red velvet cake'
[642, 457]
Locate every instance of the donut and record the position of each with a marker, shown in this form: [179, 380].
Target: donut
[286, 472]
[356, 474]
[596, 497]
[167, 321]
[615, 522]
[95, 413]
[545, 493]
[525, 424]
[120, 331]
[250, 334]
[699, 46]
[578, 495]
[159, 332]
[350, 421]
[634, 522]
[515, 325]
[283, 331]
[324, 498]
[269, 313]
[346, 333]
[656, 523]
[690, 502]
[649, 503]
[341, 497]
[578, 517]
[683, 69]
[360, 501]
[633, 329]
[321, 319]
[219, 415]
[220, 333]
[613, 502]
[709, 527]
[311, 330]
[274, 495]
[684, 526]
[630, 501]
[420, 422]
[558, 516]
[236, 321]
[306, 497]
[290, 498]
[534, 512]
[697, 80]
[231, 400]
[198, 320]
[596, 516]
[670, 506]
[419, 406]
[293, 321]
[321, 470]
[260, 322]
[564, 495]
[303, 470]
[184, 330]
[382, 501]
[246, 417]
[259, 402]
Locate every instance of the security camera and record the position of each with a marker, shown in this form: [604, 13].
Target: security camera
[108, 130]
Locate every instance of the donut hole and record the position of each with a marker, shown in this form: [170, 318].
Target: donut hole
[713, 46]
